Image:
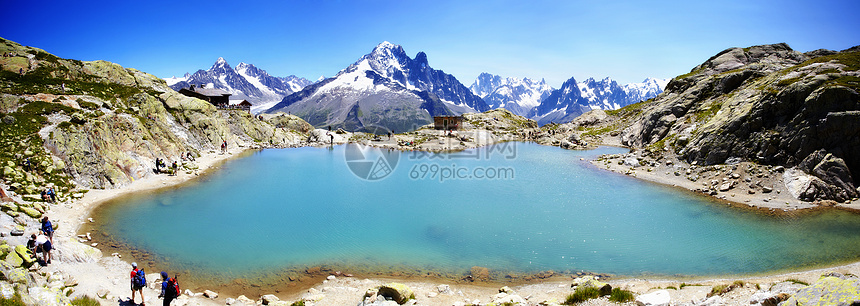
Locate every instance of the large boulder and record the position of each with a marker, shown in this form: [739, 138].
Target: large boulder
[13, 259]
[400, 293]
[7, 291]
[19, 276]
[32, 212]
[828, 290]
[25, 255]
[591, 281]
[836, 181]
[656, 298]
[48, 296]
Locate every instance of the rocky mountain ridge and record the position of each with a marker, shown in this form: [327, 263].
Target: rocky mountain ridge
[516, 95]
[385, 88]
[528, 98]
[99, 125]
[246, 81]
[576, 98]
[765, 104]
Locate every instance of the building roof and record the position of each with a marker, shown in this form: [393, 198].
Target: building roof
[239, 102]
[211, 92]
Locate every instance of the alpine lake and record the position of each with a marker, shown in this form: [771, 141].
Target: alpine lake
[262, 220]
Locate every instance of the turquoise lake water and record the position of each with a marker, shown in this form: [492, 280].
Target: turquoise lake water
[295, 208]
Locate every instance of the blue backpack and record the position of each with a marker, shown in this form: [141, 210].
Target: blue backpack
[140, 278]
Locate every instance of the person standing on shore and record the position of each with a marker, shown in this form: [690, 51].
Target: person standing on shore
[169, 289]
[136, 286]
[48, 229]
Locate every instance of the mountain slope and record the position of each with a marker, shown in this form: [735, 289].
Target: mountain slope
[766, 104]
[99, 125]
[244, 82]
[383, 88]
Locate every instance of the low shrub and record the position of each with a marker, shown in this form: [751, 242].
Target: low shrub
[582, 294]
[85, 301]
[621, 296]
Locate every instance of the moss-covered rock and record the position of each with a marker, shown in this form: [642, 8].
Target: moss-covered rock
[13, 260]
[110, 72]
[589, 281]
[18, 276]
[828, 290]
[32, 212]
[5, 249]
[48, 296]
[25, 255]
[9, 206]
[400, 293]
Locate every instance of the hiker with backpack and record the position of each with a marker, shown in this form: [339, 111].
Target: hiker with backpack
[48, 228]
[138, 281]
[169, 288]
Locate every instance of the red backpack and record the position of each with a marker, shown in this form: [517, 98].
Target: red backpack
[172, 288]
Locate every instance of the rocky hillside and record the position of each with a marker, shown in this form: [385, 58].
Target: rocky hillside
[99, 125]
[765, 104]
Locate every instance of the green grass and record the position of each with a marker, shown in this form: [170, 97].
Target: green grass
[849, 81]
[691, 73]
[849, 59]
[704, 115]
[14, 301]
[298, 303]
[797, 281]
[85, 301]
[621, 296]
[582, 294]
[721, 289]
[787, 82]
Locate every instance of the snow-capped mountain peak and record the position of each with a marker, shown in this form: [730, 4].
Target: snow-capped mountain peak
[245, 82]
[516, 95]
[573, 99]
[221, 63]
[386, 88]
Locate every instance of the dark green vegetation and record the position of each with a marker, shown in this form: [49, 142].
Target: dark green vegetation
[85, 301]
[723, 289]
[14, 301]
[621, 296]
[20, 141]
[796, 281]
[582, 294]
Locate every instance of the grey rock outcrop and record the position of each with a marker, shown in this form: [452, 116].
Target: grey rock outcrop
[768, 104]
[834, 289]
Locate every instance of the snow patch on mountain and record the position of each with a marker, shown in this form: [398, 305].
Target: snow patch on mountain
[244, 82]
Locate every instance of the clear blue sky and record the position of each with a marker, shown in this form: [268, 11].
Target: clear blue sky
[555, 40]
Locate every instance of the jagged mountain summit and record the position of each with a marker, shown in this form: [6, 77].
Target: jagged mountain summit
[384, 88]
[573, 99]
[516, 95]
[244, 82]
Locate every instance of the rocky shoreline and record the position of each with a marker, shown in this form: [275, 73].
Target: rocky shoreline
[97, 274]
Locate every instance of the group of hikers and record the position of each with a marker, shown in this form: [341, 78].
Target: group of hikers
[49, 195]
[161, 167]
[169, 285]
[43, 242]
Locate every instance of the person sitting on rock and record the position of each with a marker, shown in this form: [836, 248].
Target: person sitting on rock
[31, 244]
